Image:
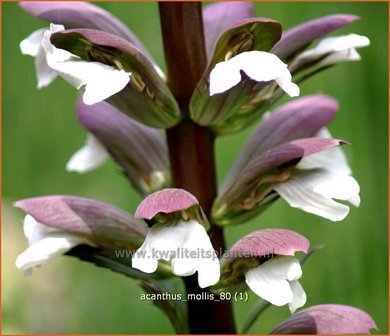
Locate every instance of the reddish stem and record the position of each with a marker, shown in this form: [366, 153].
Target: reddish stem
[191, 147]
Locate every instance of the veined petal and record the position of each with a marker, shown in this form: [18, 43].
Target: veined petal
[217, 17]
[166, 201]
[100, 223]
[327, 319]
[271, 279]
[261, 66]
[298, 37]
[312, 191]
[141, 151]
[299, 296]
[89, 157]
[80, 14]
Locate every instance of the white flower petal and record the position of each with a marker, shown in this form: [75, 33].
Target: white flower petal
[349, 55]
[32, 43]
[299, 296]
[208, 272]
[223, 77]
[35, 231]
[271, 279]
[183, 266]
[89, 157]
[354, 200]
[142, 260]
[260, 66]
[335, 185]
[45, 249]
[274, 290]
[101, 81]
[341, 45]
[301, 191]
[32, 46]
[45, 74]
[160, 242]
[207, 262]
[188, 247]
[288, 86]
[332, 159]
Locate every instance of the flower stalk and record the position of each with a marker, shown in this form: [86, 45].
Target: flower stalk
[191, 147]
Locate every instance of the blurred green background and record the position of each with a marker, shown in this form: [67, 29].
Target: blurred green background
[40, 133]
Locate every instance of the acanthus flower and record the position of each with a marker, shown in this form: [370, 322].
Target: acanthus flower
[292, 156]
[265, 258]
[56, 224]
[333, 50]
[181, 238]
[318, 179]
[45, 243]
[100, 80]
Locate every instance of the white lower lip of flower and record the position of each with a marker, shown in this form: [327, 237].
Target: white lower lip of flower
[339, 48]
[349, 55]
[318, 179]
[276, 282]
[260, 66]
[89, 157]
[313, 191]
[45, 244]
[32, 46]
[188, 247]
[100, 80]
